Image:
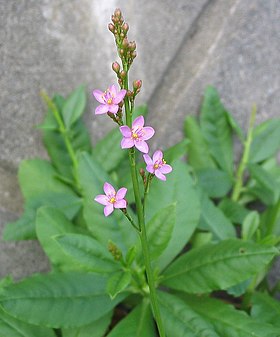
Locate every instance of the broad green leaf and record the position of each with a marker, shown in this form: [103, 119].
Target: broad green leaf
[250, 225]
[118, 282]
[159, 230]
[138, 323]
[266, 141]
[94, 329]
[176, 151]
[12, 327]
[179, 189]
[239, 289]
[214, 220]
[217, 266]
[198, 152]
[216, 183]
[74, 106]
[24, 227]
[37, 176]
[235, 212]
[87, 252]
[264, 186]
[216, 130]
[229, 322]
[49, 223]
[270, 220]
[114, 227]
[62, 300]
[130, 256]
[5, 281]
[201, 238]
[179, 319]
[266, 309]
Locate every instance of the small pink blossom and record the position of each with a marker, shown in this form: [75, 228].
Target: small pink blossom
[137, 135]
[111, 199]
[109, 99]
[157, 165]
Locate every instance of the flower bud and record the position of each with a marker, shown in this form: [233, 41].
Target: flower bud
[122, 74]
[111, 27]
[125, 27]
[114, 250]
[125, 43]
[133, 54]
[116, 67]
[137, 84]
[117, 13]
[132, 45]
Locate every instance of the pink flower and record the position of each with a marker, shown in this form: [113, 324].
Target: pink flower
[111, 199]
[157, 165]
[109, 100]
[137, 135]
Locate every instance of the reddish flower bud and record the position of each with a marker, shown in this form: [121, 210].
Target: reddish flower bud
[133, 54]
[117, 13]
[122, 74]
[125, 27]
[137, 84]
[111, 27]
[116, 67]
[132, 45]
[125, 43]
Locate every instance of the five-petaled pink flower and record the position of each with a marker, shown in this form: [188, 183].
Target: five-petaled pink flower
[109, 99]
[157, 165]
[137, 135]
[111, 199]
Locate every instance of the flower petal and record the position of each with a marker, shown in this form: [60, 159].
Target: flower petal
[98, 94]
[139, 121]
[121, 193]
[165, 168]
[120, 96]
[148, 132]
[108, 209]
[125, 130]
[120, 204]
[113, 108]
[150, 168]
[109, 189]
[157, 156]
[113, 90]
[102, 199]
[101, 109]
[142, 146]
[159, 175]
[127, 143]
[148, 159]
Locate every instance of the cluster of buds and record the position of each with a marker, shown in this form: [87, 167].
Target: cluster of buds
[126, 49]
[115, 251]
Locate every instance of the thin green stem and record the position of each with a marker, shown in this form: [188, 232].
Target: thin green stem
[245, 157]
[130, 219]
[147, 188]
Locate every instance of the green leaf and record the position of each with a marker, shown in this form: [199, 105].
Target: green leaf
[115, 227]
[214, 182]
[266, 309]
[94, 329]
[266, 140]
[235, 212]
[118, 282]
[37, 176]
[24, 227]
[229, 322]
[198, 152]
[176, 151]
[180, 319]
[159, 230]
[130, 256]
[216, 129]
[87, 252]
[179, 189]
[235, 126]
[62, 300]
[270, 220]
[138, 323]
[11, 327]
[49, 223]
[250, 225]
[239, 289]
[214, 220]
[217, 266]
[200, 239]
[74, 106]
[264, 186]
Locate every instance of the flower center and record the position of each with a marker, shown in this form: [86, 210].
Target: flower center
[112, 200]
[159, 164]
[134, 135]
[108, 97]
[109, 101]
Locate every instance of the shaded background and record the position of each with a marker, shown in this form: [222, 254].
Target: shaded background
[182, 46]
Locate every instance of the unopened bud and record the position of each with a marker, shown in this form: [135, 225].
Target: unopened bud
[122, 74]
[137, 84]
[133, 54]
[132, 45]
[125, 43]
[116, 67]
[114, 250]
[121, 52]
[117, 13]
[125, 27]
[142, 172]
[129, 93]
[111, 27]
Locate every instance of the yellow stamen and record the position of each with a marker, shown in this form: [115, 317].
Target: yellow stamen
[112, 200]
[134, 135]
[163, 161]
[156, 166]
[109, 101]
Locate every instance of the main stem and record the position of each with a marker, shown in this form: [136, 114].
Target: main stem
[245, 157]
[141, 222]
